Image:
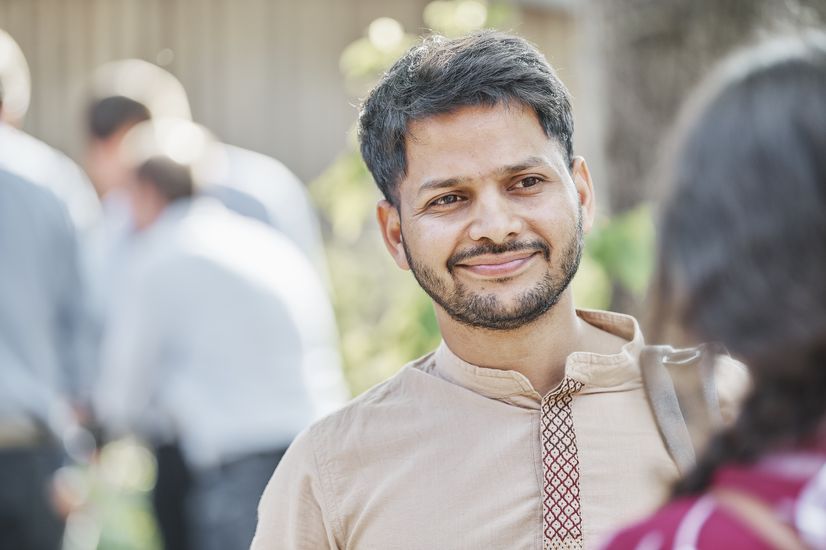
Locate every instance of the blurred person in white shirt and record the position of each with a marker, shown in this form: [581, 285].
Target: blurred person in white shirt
[247, 182]
[27, 156]
[219, 344]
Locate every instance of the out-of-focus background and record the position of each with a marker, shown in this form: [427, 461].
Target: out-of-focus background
[284, 78]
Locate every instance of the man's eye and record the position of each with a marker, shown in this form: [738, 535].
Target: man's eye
[530, 181]
[446, 200]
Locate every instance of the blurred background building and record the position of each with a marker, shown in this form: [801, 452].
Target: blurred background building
[262, 74]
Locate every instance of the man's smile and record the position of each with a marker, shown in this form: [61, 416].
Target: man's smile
[498, 265]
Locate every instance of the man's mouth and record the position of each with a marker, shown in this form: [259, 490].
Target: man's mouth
[498, 265]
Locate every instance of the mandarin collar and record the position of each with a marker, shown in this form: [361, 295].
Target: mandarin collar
[597, 372]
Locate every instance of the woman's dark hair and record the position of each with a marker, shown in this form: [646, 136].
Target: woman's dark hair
[742, 249]
[439, 76]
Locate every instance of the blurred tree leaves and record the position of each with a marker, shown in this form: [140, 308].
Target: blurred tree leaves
[385, 319]
[453, 18]
[115, 512]
[624, 247]
[368, 57]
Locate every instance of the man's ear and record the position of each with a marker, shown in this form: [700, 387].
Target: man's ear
[585, 192]
[391, 231]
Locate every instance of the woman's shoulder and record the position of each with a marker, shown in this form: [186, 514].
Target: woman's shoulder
[694, 522]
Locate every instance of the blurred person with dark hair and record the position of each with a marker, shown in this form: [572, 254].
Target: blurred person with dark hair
[247, 182]
[216, 345]
[125, 93]
[106, 249]
[108, 120]
[742, 260]
[42, 358]
[30, 158]
[529, 426]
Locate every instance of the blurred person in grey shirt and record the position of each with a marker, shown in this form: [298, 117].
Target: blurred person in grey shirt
[42, 357]
[219, 341]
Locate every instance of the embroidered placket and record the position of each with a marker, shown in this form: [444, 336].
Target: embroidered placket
[561, 511]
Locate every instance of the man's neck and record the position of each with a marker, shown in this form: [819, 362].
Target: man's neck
[537, 350]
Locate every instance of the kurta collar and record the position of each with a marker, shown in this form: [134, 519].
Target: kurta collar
[597, 372]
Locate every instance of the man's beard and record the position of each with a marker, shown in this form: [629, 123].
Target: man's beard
[485, 310]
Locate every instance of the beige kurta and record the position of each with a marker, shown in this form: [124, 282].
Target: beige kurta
[447, 455]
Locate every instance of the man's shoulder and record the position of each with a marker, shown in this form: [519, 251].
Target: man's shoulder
[26, 199]
[22, 189]
[35, 159]
[369, 416]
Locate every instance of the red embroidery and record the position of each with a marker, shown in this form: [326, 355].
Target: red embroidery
[561, 511]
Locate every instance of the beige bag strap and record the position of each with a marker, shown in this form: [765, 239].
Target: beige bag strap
[759, 518]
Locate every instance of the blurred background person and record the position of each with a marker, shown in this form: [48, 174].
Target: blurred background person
[127, 92]
[254, 185]
[107, 246]
[742, 260]
[217, 345]
[27, 156]
[124, 94]
[42, 358]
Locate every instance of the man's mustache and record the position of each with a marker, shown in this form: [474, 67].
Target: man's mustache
[493, 248]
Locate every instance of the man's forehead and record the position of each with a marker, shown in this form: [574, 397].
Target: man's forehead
[462, 117]
[478, 140]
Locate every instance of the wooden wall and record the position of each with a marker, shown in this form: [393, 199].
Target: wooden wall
[262, 74]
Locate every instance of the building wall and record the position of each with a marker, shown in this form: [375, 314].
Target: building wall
[261, 74]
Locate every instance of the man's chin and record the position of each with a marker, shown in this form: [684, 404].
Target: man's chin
[496, 323]
[487, 312]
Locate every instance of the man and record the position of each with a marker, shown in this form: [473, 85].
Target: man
[210, 348]
[42, 358]
[528, 427]
[29, 157]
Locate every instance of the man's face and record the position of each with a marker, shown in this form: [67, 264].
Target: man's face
[490, 219]
[105, 164]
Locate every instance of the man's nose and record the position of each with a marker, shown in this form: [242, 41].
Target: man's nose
[494, 218]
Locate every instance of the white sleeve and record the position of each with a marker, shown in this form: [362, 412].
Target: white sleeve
[130, 355]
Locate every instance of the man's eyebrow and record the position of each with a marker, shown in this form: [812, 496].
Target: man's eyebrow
[433, 184]
[530, 162]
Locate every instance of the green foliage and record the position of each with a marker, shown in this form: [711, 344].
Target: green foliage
[114, 511]
[385, 319]
[368, 57]
[453, 18]
[624, 247]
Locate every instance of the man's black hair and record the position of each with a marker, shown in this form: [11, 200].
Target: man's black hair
[439, 76]
[109, 115]
[173, 180]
